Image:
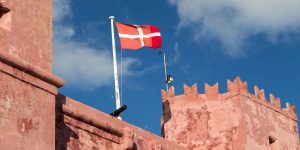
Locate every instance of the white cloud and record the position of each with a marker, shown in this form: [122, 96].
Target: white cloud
[233, 22]
[176, 53]
[61, 9]
[81, 65]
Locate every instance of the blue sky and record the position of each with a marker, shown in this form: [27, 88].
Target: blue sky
[205, 41]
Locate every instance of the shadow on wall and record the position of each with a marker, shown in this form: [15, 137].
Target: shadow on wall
[3, 10]
[63, 133]
[166, 115]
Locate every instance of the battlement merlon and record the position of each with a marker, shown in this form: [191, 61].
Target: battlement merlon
[234, 88]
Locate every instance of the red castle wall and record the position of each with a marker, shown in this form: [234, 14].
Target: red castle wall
[26, 31]
[232, 120]
[80, 127]
[27, 87]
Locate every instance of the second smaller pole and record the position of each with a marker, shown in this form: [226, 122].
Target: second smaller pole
[165, 67]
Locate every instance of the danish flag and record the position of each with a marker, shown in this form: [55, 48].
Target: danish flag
[137, 36]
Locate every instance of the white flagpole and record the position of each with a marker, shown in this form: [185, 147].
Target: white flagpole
[165, 67]
[117, 93]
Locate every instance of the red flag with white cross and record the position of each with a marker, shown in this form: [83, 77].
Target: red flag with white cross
[137, 36]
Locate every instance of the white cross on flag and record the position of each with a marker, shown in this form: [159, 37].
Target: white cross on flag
[137, 36]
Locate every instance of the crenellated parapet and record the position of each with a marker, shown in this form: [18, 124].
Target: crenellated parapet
[237, 87]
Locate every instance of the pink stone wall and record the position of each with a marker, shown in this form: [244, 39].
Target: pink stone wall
[27, 119]
[81, 127]
[233, 120]
[26, 31]
[27, 86]
[263, 122]
[204, 121]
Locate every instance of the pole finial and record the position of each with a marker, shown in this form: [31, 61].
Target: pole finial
[111, 17]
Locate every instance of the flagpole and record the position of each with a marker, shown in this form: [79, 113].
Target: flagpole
[165, 67]
[117, 92]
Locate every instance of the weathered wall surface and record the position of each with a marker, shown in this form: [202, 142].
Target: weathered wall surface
[266, 120]
[26, 31]
[26, 115]
[81, 127]
[27, 105]
[233, 120]
[203, 121]
[27, 86]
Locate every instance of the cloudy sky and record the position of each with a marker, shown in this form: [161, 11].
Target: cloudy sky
[204, 40]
